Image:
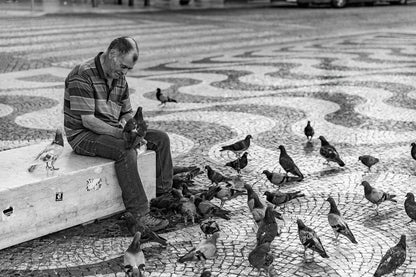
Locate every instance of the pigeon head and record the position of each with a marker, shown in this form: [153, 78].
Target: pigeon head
[207, 167]
[266, 172]
[300, 223]
[282, 148]
[134, 247]
[410, 196]
[360, 158]
[245, 154]
[367, 187]
[267, 193]
[309, 122]
[248, 137]
[59, 139]
[402, 241]
[334, 209]
[323, 140]
[158, 90]
[413, 144]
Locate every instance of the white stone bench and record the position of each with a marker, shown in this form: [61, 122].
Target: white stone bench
[83, 189]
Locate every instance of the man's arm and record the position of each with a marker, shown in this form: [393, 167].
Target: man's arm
[100, 127]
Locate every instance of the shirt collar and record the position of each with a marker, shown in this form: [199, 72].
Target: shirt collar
[99, 66]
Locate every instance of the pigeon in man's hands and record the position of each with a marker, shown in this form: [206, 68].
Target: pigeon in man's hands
[50, 154]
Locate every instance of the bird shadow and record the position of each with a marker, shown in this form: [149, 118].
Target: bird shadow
[308, 147]
[331, 171]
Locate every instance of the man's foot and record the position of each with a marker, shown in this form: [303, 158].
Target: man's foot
[154, 223]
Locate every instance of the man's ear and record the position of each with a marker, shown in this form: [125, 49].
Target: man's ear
[113, 54]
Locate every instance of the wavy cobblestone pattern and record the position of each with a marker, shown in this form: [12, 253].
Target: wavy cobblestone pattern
[358, 92]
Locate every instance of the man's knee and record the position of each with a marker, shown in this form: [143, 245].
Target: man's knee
[126, 154]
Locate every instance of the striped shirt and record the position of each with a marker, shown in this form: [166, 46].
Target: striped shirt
[87, 92]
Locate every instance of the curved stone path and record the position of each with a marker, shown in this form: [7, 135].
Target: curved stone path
[358, 92]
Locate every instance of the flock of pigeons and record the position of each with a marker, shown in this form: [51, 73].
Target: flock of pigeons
[196, 205]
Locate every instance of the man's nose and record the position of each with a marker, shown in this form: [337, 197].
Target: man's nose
[124, 71]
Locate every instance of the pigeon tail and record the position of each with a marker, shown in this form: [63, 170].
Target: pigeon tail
[172, 100]
[32, 168]
[339, 161]
[391, 197]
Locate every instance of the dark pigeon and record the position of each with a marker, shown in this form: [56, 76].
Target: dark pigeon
[260, 257]
[413, 151]
[239, 146]
[368, 161]
[268, 228]
[393, 259]
[216, 177]
[162, 98]
[309, 132]
[329, 152]
[208, 209]
[337, 222]
[410, 206]
[288, 164]
[209, 226]
[239, 163]
[278, 198]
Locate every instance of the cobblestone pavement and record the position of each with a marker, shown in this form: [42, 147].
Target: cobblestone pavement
[357, 90]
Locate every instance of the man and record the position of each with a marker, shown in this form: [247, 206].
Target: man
[96, 101]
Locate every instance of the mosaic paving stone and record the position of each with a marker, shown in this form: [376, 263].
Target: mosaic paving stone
[359, 92]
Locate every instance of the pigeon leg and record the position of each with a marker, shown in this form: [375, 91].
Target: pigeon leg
[222, 203]
[377, 209]
[193, 220]
[53, 167]
[185, 218]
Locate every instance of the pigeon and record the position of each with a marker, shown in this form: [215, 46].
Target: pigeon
[310, 239]
[288, 164]
[205, 250]
[162, 98]
[260, 257]
[309, 132]
[239, 146]
[239, 163]
[329, 152]
[147, 235]
[278, 198]
[50, 154]
[210, 193]
[164, 201]
[216, 177]
[186, 173]
[376, 196]
[257, 207]
[410, 206]
[413, 151]
[209, 209]
[209, 226]
[188, 209]
[337, 223]
[393, 258]
[134, 260]
[368, 161]
[227, 193]
[268, 228]
[206, 273]
[275, 178]
[134, 130]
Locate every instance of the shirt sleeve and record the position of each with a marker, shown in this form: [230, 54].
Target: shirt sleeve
[81, 95]
[125, 103]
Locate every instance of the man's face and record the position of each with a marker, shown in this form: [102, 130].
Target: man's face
[120, 64]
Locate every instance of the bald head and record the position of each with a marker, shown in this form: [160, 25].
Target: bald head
[124, 45]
